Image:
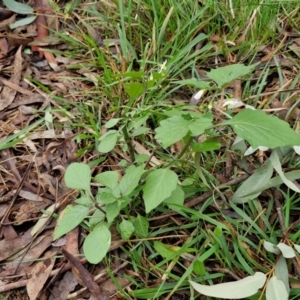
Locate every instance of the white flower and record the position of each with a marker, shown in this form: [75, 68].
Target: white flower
[163, 66]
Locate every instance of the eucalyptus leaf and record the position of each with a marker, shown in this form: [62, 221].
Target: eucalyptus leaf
[276, 290]
[282, 272]
[287, 251]
[18, 7]
[247, 190]
[233, 290]
[277, 166]
[257, 128]
[22, 22]
[271, 247]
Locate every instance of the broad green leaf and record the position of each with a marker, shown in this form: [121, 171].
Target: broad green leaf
[260, 129]
[276, 290]
[271, 247]
[130, 180]
[233, 290]
[126, 229]
[199, 268]
[97, 243]
[210, 144]
[71, 217]
[225, 75]
[163, 250]
[202, 85]
[78, 176]
[177, 198]
[97, 217]
[22, 22]
[134, 89]
[112, 122]
[159, 185]
[108, 141]
[112, 210]
[277, 166]
[282, 272]
[141, 226]
[175, 128]
[17, 7]
[246, 191]
[84, 200]
[286, 250]
[105, 196]
[108, 178]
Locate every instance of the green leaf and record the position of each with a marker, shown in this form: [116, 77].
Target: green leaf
[276, 290]
[233, 290]
[108, 178]
[210, 144]
[177, 198]
[271, 247]
[105, 196]
[126, 229]
[286, 250]
[261, 176]
[225, 75]
[84, 200]
[134, 89]
[22, 22]
[71, 217]
[201, 85]
[97, 217]
[17, 7]
[163, 250]
[130, 180]
[108, 141]
[112, 122]
[199, 268]
[112, 211]
[260, 129]
[277, 166]
[97, 244]
[141, 226]
[175, 128]
[78, 176]
[282, 272]
[159, 186]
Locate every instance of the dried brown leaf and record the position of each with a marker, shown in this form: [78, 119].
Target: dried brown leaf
[8, 95]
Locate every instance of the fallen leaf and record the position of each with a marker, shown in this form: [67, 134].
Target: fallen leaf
[8, 95]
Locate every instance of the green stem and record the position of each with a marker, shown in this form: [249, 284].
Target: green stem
[185, 148]
[129, 144]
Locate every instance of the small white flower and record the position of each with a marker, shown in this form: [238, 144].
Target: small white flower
[233, 103]
[163, 66]
[196, 97]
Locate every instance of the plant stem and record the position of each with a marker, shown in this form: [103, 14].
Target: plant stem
[129, 144]
[187, 145]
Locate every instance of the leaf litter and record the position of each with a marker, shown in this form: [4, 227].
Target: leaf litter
[29, 256]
